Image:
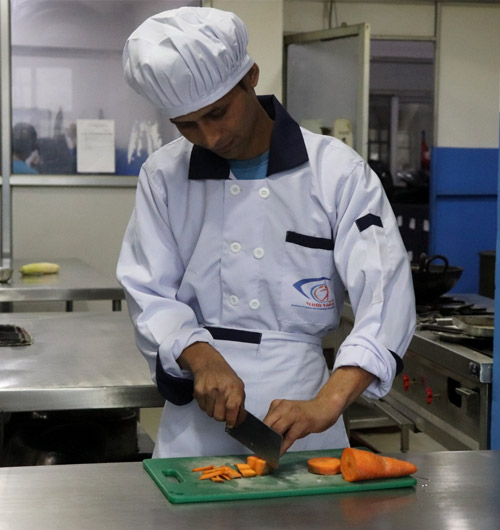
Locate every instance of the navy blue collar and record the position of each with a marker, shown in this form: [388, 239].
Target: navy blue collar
[287, 150]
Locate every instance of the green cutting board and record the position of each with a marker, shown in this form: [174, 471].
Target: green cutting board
[181, 485]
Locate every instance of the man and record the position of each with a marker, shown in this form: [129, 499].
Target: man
[24, 143]
[246, 233]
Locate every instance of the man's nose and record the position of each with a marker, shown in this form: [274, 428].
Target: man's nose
[211, 134]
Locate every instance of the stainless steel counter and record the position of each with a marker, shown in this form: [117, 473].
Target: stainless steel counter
[78, 361]
[455, 490]
[75, 281]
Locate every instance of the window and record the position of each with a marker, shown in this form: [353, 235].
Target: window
[72, 111]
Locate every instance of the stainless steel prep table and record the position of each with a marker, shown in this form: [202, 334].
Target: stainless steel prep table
[454, 490]
[75, 281]
[78, 361]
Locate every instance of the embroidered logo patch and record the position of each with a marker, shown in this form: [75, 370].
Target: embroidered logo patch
[316, 291]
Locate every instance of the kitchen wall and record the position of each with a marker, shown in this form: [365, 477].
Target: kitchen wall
[465, 157]
[385, 18]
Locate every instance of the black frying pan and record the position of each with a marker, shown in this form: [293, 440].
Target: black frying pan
[430, 280]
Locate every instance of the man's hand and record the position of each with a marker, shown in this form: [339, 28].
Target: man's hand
[217, 389]
[297, 419]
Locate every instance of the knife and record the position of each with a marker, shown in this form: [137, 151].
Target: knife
[255, 435]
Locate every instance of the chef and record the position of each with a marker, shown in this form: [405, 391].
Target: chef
[246, 234]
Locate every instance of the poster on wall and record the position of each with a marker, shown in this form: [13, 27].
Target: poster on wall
[95, 151]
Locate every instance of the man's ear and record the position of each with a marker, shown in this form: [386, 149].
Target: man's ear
[252, 76]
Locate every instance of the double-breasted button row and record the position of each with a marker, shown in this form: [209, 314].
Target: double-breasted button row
[258, 252]
[253, 304]
[235, 189]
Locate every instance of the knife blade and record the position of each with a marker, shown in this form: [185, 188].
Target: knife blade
[255, 435]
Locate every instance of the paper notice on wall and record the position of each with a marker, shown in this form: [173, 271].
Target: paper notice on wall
[95, 148]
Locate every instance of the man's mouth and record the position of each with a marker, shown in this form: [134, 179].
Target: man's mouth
[225, 149]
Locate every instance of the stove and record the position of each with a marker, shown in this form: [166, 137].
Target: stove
[445, 386]
[438, 318]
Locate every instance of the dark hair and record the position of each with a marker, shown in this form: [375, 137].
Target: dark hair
[24, 140]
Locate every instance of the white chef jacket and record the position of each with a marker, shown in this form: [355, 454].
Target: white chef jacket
[259, 270]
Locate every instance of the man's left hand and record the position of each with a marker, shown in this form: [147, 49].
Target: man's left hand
[297, 419]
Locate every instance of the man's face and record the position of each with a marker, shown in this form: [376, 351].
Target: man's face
[228, 127]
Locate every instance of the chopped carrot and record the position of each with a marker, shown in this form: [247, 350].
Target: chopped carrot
[259, 465]
[247, 473]
[324, 465]
[213, 472]
[246, 470]
[251, 460]
[357, 464]
[217, 479]
[232, 473]
[203, 468]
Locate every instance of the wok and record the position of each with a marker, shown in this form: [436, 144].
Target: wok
[430, 281]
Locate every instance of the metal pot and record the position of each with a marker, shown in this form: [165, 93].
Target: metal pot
[431, 281]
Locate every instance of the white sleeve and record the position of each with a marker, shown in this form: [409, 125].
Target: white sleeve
[150, 270]
[373, 264]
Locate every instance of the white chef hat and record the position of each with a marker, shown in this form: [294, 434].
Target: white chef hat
[187, 58]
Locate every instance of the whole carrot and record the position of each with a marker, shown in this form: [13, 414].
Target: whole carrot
[356, 464]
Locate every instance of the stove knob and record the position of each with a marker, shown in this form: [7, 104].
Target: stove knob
[429, 395]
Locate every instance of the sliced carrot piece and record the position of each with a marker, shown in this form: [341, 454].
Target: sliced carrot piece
[251, 460]
[259, 465]
[246, 470]
[247, 473]
[216, 479]
[232, 473]
[357, 464]
[203, 468]
[324, 465]
[212, 472]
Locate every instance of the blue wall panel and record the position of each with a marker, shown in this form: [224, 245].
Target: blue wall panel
[461, 171]
[463, 208]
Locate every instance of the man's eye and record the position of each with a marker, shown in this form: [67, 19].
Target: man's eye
[217, 114]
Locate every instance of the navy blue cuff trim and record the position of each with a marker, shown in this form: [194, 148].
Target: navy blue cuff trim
[177, 390]
[399, 362]
[368, 220]
[309, 241]
[237, 335]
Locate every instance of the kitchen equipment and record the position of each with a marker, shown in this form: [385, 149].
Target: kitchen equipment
[487, 260]
[255, 435]
[5, 274]
[342, 129]
[11, 335]
[177, 481]
[475, 325]
[446, 383]
[70, 437]
[430, 281]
